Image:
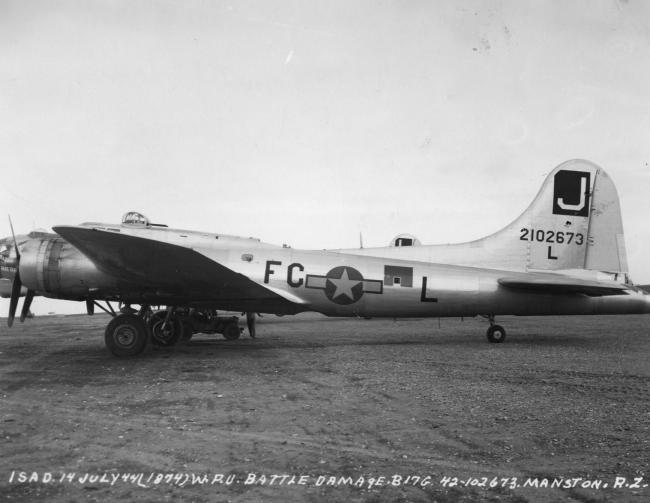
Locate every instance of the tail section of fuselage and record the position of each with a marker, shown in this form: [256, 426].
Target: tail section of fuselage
[574, 223]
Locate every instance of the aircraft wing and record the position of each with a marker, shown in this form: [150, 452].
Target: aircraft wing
[556, 284]
[182, 272]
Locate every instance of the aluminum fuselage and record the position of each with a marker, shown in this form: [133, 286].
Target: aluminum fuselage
[342, 284]
[332, 283]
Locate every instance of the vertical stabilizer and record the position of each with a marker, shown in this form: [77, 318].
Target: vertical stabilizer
[573, 223]
[555, 227]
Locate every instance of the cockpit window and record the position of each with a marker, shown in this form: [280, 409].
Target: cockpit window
[135, 218]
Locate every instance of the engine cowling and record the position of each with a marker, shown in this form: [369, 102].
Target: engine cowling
[53, 267]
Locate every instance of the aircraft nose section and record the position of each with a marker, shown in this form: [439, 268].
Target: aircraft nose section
[6, 262]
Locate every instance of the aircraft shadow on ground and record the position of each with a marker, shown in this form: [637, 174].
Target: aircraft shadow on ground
[466, 340]
[217, 346]
[67, 365]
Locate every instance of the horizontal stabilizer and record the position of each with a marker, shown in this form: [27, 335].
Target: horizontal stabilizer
[563, 285]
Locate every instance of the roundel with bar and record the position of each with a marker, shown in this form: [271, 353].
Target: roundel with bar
[344, 285]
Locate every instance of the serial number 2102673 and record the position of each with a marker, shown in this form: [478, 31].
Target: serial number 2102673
[544, 236]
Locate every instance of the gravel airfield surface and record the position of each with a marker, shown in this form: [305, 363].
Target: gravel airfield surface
[323, 410]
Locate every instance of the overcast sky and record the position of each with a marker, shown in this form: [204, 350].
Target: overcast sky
[308, 122]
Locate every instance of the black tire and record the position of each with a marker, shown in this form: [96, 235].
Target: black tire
[168, 336]
[231, 331]
[126, 335]
[496, 334]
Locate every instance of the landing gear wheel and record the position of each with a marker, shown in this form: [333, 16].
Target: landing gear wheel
[496, 333]
[164, 335]
[231, 331]
[126, 335]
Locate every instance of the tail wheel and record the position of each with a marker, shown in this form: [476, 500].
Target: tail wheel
[126, 335]
[164, 334]
[496, 333]
[231, 331]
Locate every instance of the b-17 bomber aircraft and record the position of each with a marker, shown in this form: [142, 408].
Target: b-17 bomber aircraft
[564, 255]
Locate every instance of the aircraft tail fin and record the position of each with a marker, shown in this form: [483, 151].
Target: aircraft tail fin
[573, 223]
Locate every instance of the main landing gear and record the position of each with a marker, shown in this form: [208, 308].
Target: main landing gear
[166, 328]
[131, 330]
[127, 334]
[495, 333]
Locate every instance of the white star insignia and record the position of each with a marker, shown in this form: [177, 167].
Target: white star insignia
[344, 285]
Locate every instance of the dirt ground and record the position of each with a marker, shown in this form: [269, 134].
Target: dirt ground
[338, 402]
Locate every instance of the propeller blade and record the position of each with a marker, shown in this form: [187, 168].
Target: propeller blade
[13, 234]
[90, 307]
[26, 305]
[15, 295]
[17, 284]
[250, 321]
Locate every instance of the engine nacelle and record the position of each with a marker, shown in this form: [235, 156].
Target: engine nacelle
[53, 267]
